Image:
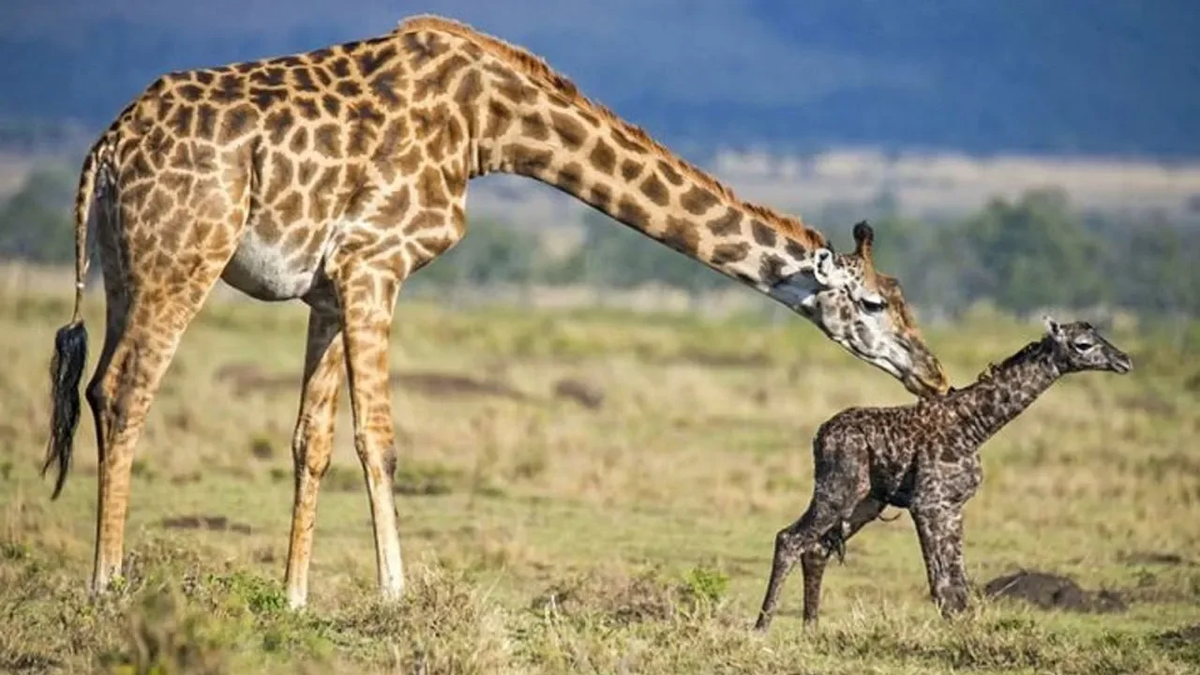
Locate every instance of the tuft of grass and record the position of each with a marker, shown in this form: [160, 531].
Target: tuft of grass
[165, 636]
[262, 447]
[444, 624]
[707, 583]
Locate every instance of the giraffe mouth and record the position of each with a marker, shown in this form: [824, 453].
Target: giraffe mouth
[926, 387]
[924, 375]
[917, 383]
[1122, 364]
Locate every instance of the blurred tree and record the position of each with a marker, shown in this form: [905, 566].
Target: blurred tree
[36, 223]
[1155, 272]
[1024, 254]
[1030, 254]
[615, 256]
[490, 253]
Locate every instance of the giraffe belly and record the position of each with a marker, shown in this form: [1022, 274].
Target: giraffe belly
[267, 271]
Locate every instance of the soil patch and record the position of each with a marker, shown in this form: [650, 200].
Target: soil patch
[210, 523]
[1156, 558]
[1189, 635]
[247, 378]
[1184, 642]
[1053, 591]
[449, 385]
[586, 395]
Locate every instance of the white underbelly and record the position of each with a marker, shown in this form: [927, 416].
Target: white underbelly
[269, 271]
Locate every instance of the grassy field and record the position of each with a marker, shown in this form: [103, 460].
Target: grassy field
[628, 531]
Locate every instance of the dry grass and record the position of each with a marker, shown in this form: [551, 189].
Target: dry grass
[632, 534]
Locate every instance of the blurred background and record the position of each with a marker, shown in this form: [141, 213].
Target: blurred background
[578, 407]
[1021, 154]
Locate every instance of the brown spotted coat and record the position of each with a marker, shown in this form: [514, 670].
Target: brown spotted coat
[331, 176]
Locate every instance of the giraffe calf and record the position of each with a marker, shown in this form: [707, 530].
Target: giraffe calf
[923, 457]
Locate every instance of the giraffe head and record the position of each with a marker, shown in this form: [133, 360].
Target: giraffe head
[865, 312]
[1078, 346]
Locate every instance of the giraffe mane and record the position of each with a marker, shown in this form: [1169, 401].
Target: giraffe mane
[1022, 355]
[537, 68]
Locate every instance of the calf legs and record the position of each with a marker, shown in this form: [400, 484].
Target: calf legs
[825, 526]
[813, 560]
[940, 529]
[821, 531]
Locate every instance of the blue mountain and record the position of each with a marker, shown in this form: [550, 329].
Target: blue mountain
[1099, 77]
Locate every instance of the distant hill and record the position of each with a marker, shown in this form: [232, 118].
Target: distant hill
[1078, 77]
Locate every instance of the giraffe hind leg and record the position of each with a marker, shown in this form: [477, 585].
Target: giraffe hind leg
[120, 396]
[791, 545]
[834, 540]
[149, 306]
[814, 560]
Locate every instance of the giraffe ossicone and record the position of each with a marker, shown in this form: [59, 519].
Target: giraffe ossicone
[330, 176]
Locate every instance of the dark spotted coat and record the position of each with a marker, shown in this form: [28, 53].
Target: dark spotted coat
[923, 457]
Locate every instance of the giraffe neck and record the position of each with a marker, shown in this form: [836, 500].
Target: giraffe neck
[532, 122]
[1005, 391]
[649, 192]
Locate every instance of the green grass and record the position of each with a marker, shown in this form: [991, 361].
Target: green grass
[541, 535]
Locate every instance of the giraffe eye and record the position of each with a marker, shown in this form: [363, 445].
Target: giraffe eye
[874, 304]
[1083, 344]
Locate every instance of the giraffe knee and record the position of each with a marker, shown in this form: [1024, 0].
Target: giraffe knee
[375, 455]
[785, 542]
[314, 464]
[814, 555]
[792, 546]
[312, 432]
[389, 462]
[96, 397]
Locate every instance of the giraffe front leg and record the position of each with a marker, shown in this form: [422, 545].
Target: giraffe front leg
[312, 442]
[396, 229]
[940, 530]
[368, 297]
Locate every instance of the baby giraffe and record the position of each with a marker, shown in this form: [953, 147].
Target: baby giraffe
[923, 457]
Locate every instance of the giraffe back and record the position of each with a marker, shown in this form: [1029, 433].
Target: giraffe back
[280, 153]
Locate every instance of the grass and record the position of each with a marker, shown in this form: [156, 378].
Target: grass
[627, 533]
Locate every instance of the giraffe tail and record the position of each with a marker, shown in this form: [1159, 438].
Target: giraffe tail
[70, 342]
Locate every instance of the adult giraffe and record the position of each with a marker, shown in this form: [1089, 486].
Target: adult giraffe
[332, 175]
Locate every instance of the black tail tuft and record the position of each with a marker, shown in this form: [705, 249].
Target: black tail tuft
[66, 370]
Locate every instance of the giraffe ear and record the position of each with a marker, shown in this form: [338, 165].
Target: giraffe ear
[1052, 327]
[822, 269]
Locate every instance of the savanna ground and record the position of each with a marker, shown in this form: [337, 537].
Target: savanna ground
[589, 491]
